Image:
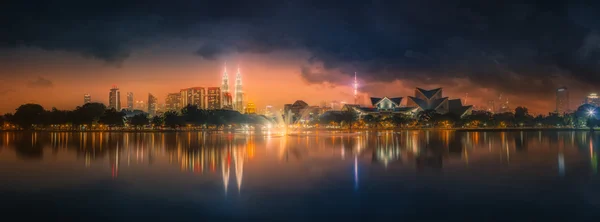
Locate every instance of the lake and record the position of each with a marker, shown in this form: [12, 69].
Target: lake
[307, 176]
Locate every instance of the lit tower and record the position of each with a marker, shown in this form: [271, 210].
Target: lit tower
[355, 89]
[225, 86]
[239, 95]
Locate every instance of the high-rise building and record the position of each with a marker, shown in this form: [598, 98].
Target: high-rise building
[129, 101]
[140, 105]
[193, 96]
[592, 99]
[173, 102]
[213, 98]
[226, 100]
[562, 100]
[250, 108]
[114, 99]
[239, 94]
[152, 104]
[87, 98]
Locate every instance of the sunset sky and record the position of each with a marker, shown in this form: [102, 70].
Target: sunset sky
[54, 53]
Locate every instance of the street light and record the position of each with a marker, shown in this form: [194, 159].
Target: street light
[591, 112]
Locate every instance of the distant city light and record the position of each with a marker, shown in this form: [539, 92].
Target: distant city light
[591, 112]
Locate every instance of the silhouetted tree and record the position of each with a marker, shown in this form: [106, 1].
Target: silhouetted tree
[506, 119]
[158, 121]
[112, 118]
[425, 116]
[139, 120]
[172, 119]
[29, 114]
[400, 119]
[349, 117]
[193, 115]
[88, 114]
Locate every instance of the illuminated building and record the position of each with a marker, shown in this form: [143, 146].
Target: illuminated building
[152, 104]
[226, 100]
[193, 96]
[592, 99]
[173, 102]
[239, 94]
[562, 100]
[87, 98]
[140, 105]
[213, 98]
[129, 101]
[429, 100]
[250, 108]
[433, 100]
[114, 99]
[381, 106]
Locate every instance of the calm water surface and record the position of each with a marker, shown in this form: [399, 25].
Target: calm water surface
[325, 176]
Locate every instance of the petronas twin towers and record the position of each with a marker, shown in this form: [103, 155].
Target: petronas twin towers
[237, 102]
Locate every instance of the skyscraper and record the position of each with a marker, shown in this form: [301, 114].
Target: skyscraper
[226, 103]
[562, 100]
[173, 102]
[129, 101]
[114, 99]
[152, 104]
[213, 98]
[193, 96]
[87, 98]
[239, 94]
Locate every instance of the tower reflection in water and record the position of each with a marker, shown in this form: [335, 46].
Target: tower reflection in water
[227, 154]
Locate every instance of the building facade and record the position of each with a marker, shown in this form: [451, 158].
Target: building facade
[562, 100]
[226, 99]
[152, 104]
[129, 101]
[193, 96]
[250, 108]
[173, 102]
[114, 99]
[434, 100]
[87, 98]
[213, 98]
[239, 93]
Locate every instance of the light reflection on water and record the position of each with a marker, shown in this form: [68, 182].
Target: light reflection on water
[252, 174]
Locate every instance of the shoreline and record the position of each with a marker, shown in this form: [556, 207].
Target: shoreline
[305, 130]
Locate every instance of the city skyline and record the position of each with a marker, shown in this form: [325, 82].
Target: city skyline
[416, 46]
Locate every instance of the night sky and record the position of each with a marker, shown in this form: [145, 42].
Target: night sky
[53, 52]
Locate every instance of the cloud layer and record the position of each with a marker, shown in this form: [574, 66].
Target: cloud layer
[40, 82]
[519, 48]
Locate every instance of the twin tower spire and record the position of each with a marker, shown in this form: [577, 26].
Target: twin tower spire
[237, 102]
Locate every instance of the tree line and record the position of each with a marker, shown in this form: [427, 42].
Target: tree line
[584, 116]
[93, 115]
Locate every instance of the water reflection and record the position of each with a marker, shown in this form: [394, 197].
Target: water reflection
[227, 154]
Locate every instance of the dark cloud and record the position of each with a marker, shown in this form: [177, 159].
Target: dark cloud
[40, 83]
[518, 48]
